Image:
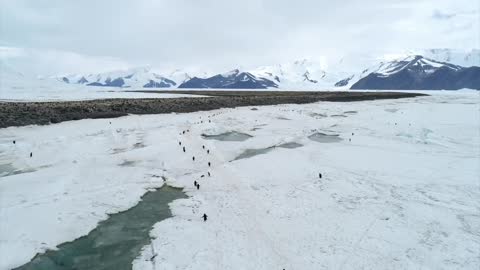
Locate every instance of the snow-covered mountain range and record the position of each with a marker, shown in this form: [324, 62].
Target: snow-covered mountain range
[426, 69]
[417, 72]
[230, 80]
[135, 78]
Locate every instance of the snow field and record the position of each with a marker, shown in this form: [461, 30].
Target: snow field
[400, 193]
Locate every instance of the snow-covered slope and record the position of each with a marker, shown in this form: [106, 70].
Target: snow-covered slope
[463, 58]
[306, 74]
[417, 72]
[230, 80]
[301, 74]
[133, 78]
[180, 76]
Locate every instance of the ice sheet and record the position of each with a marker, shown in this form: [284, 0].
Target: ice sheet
[400, 191]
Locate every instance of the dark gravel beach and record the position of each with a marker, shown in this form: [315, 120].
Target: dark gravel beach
[43, 113]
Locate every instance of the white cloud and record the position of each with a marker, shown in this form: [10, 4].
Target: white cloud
[223, 34]
[442, 16]
[50, 62]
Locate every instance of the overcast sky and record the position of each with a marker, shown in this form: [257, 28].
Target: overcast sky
[93, 35]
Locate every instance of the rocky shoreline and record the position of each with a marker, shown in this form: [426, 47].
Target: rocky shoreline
[43, 113]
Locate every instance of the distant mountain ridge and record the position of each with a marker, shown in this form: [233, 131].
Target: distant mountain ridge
[417, 72]
[456, 70]
[135, 78]
[231, 80]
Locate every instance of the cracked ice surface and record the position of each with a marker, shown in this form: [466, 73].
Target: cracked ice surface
[402, 192]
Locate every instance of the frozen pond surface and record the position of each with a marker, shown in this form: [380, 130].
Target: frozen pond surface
[248, 153]
[399, 190]
[228, 136]
[325, 138]
[115, 242]
[253, 152]
[290, 145]
[8, 169]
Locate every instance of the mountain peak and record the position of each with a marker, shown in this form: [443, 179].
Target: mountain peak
[230, 80]
[139, 77]
[234, 72]
[418, 72]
